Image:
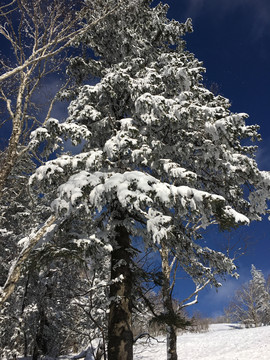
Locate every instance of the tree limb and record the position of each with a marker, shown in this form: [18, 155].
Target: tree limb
[42, 54]
[15, 271]
[183, 303]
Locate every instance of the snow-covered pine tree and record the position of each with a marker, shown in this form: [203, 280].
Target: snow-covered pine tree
[163, 156]
[262, 295]
[251, 303]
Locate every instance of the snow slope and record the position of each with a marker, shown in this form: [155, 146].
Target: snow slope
[222, 342]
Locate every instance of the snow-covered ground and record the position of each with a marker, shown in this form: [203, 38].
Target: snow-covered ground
[222, 342]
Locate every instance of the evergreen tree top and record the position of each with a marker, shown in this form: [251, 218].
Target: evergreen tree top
[159, 147]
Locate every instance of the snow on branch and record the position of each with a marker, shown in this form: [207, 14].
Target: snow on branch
[141, 192]
[54, 132]
[15, 270]
[199, 288]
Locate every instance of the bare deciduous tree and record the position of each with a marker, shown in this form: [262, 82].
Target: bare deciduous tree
[36, 34]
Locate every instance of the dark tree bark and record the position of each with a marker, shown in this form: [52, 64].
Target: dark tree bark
[41, 346]
[120, 344]
[171, 343]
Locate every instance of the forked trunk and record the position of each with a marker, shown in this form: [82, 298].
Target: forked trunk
[120, 344]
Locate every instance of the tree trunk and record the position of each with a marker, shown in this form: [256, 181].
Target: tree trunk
[171, 343]
[120, 344]
[41, 346]
[168, 304]
[14, 141]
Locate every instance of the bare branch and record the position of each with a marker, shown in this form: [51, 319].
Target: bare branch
[199, 288]
[47, 50]
[148, 336]
[174, 273]
[50, 34]
[7, 5]
[15, 271]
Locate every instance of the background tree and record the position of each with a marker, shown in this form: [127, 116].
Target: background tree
[251, 303]
[243, 307]
[263, 295]
[173, 315]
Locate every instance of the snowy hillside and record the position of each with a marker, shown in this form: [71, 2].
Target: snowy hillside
[222, 342]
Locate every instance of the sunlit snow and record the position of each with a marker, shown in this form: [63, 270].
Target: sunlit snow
[222, 342]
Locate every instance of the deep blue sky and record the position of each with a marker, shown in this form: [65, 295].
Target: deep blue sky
[232, 38]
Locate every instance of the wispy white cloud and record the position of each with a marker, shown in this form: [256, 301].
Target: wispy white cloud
[220, 299]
